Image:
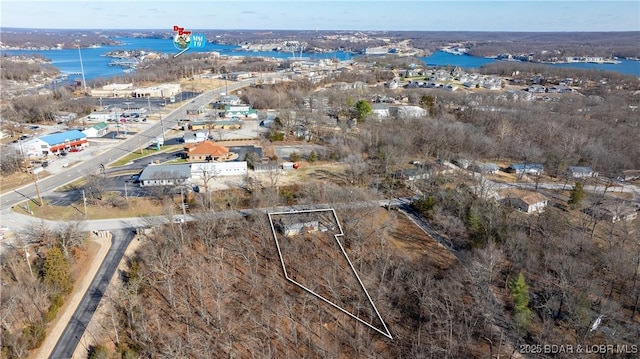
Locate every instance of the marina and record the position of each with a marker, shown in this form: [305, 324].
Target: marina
[97, 65]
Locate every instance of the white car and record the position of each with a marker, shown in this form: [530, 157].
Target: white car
[178, 219]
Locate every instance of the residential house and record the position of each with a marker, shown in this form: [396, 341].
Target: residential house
[528, 202]
[413, 174]
[560, 89]
[194, 136]
[230, 100]
[65, 116]
[239, 75]
[613, 211]
[581, 172]
[462, 163]
[380, 110]
[407, 111]
[526, 168]
[206, 151]
[296, 228]
[166, 175]
[490, 168]
[240, 112]
[97, 130]
[536, 89]
[629, 175]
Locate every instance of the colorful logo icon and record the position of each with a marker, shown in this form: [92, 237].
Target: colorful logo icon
[183, 40]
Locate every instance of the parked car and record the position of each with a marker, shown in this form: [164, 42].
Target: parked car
[178, 219]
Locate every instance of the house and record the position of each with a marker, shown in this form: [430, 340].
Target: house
[240, 112]
[536, 89]
[65, 116]
[581, 172]
[165, 175]
[413, 174]
[560, 89]
[295, 228]
[380, 110]
[238, 76]
[194, 137]
[206, 151]
[229, 100]
[54, 143]
[490, 168]
[612, 211]
[526, 168]
[528, 202]
[629, 175]
[97, 130]
[407, 111]
[462, 163]
[104, 116]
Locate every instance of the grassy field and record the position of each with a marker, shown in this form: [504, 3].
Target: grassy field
[139, 154]
[138, 207]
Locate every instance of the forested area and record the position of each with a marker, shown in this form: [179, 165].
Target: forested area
[25, 71]
[37, 277]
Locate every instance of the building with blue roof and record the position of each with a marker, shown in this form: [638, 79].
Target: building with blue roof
[54, 143]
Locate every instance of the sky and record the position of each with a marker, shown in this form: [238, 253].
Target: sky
[400, 15]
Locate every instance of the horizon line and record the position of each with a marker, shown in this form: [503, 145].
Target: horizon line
[322, 30]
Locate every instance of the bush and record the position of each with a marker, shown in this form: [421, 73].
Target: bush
[294, 156]
[34, 335]
[98, 352]
[313, 157]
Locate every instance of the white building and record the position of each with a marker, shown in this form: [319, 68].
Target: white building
[164, 90]
[200, 170]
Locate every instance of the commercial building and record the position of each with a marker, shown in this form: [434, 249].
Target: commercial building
[54, 143]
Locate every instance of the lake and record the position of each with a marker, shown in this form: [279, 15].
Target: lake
[96, 65]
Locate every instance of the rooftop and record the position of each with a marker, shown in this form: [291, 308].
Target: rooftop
[62, 137]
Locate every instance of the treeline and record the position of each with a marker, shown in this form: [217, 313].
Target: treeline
[36, 278]
[41, 38]
[24, 71]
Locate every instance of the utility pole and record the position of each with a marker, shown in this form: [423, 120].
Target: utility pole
[84, 83]
[35, 182]
[84, 201]
[162, 126]
[26, 255]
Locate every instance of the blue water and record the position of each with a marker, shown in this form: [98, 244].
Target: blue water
[440, 58]
[96, 65]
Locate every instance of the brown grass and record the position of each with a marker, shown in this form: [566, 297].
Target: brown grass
[138, 207]
[412, 242]
[17, 180]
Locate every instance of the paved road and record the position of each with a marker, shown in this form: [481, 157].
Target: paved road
[127, 146]
[80, 320]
